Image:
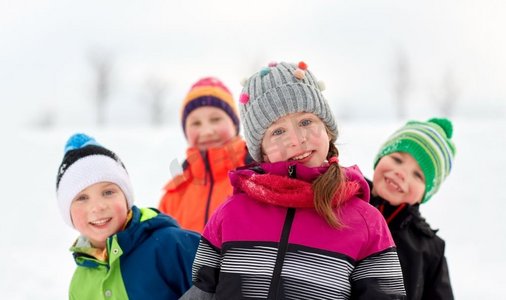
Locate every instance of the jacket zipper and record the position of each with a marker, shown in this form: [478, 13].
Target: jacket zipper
[274, 289]
[211, 186]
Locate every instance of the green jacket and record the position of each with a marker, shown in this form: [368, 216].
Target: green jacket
[150, 259]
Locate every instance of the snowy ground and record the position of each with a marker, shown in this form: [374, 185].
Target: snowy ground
[35, 262]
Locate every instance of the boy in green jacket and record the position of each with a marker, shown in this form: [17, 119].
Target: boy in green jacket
[123, 252]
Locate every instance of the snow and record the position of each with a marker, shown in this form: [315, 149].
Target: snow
[36, 264]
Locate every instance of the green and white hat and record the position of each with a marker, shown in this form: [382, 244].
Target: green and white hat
[430, 145]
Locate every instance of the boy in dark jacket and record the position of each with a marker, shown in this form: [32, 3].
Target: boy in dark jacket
[408, 171]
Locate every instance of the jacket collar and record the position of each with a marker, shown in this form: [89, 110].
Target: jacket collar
[288, 184]
[143, 221]
[397, 216]
[216, 161]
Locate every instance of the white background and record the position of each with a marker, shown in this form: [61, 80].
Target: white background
[351, 45]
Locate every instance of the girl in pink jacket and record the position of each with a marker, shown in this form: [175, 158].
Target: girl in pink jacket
[298, 225]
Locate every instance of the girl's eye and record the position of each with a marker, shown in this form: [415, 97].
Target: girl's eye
[305, 122]
[278, 131]
[215, 120]
[195, 123]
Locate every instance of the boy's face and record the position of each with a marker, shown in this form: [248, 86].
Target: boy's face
[297, 137]
[209, 127]
[399, 179]
[99, 211]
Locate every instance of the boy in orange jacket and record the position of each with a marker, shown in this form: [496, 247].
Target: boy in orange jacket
[211, 126]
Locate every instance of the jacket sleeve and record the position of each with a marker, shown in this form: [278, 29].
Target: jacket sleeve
[194, 293]
[378, 277]
[178, 258]
[438, 286]
[168, 202]
[377, 273]
[206, 267]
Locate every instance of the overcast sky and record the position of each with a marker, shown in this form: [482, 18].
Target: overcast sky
[46, 47]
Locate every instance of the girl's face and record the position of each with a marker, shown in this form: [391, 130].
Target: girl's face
[399, 179]
[209, 127]
[300, 137]
[99, 211]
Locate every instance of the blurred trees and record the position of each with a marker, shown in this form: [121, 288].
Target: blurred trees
[156, 90]
[402, 83]
[447, 94]
[101, 64]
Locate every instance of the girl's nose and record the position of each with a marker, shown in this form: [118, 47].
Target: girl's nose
[297, 138]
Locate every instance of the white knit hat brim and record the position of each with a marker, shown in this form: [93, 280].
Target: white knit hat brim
[88, 171]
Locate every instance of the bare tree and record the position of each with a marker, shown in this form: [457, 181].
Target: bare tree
[402, 83]
[156, 89]
[46, 118]
[447, 95]
[101, 64]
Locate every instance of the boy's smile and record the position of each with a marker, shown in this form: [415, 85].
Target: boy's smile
[99, 211]
[399, 179]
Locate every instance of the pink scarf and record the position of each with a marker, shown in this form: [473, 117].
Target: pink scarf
[287, 192]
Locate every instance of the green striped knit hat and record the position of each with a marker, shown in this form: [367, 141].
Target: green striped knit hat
[430, 145]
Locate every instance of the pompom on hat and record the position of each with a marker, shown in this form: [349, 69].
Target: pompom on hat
[430, 145]
[85, 163]
[276, 91]
[209, 91]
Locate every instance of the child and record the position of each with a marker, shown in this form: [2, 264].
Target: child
[409, 169]
[298, 225]
[123, 252]
[211, 126]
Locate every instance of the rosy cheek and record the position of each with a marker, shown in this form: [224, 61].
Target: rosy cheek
[191, 135]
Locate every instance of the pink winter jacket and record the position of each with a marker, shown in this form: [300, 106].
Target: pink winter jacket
[267, 241]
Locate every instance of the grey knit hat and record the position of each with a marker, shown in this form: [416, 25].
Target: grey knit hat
[276, 91]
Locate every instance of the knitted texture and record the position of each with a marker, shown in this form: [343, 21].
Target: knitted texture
[430, 145]
[85, 163]
[209, 91]
[276, 91]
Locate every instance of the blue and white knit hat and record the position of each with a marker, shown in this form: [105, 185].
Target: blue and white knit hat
[430, 145]
[276, 91]
[85, 163]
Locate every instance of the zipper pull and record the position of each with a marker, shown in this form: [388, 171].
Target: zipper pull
[292, 172]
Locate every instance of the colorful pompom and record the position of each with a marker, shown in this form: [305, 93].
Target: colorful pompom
[244, 98]
[445, 124]
[265, 71]
[299, 74]
[79, 140]
[321, 85]
[272, 64]
[302, 65]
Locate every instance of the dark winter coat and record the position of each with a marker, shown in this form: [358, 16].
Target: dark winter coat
[420, 250]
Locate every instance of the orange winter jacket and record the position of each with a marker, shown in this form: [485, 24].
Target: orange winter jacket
[194, 195]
